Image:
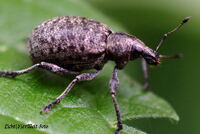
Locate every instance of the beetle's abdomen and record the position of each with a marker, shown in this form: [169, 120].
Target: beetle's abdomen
[71, 42]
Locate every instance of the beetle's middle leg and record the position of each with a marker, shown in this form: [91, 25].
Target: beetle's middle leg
[81, 77]
[114, 84]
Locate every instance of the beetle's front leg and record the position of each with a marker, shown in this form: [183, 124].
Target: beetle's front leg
[145, 74]
[114, 84]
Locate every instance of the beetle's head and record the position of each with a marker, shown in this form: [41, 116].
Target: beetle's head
[139, 49]
[123, 47]
[151, 57]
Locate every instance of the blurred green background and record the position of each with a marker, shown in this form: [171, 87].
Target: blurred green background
[148, 20]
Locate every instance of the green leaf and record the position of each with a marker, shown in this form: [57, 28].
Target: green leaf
[88, 107]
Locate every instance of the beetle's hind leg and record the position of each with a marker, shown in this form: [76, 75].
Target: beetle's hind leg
[81, 77]
[48, 66]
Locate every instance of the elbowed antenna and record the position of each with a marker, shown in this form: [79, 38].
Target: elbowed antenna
[172, 31]
[170, 56]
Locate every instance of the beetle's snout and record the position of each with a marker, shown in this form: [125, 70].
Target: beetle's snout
[152, 60]
[151, 57]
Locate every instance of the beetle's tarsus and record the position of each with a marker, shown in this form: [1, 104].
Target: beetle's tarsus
[186, 19]
[120, 127]
[146, 86]
[44, 110]
[48, 107]
[117, 132]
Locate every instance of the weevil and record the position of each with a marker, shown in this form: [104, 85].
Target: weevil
[71, 44]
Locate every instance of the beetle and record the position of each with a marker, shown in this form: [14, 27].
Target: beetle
[71, 44]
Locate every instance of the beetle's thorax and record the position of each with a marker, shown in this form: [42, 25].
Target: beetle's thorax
[122, 48]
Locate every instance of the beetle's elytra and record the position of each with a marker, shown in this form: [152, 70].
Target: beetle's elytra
[70, 44]
[74, 43]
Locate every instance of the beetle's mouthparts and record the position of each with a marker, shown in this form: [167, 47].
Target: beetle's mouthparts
[158, 61]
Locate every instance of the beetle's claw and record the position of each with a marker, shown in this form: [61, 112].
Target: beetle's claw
[146, 86]
[48, 107]
[117, 132]
[45, 109]
[186, 19]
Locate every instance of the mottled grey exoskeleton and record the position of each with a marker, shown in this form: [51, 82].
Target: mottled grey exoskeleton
[68, 45]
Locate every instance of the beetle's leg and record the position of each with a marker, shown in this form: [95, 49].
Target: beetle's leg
[48, 66]
[114, 84]
[81, 77]
[145, 73]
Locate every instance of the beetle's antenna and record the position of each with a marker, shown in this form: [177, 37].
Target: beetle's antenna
[176, 56]
[172, 31]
